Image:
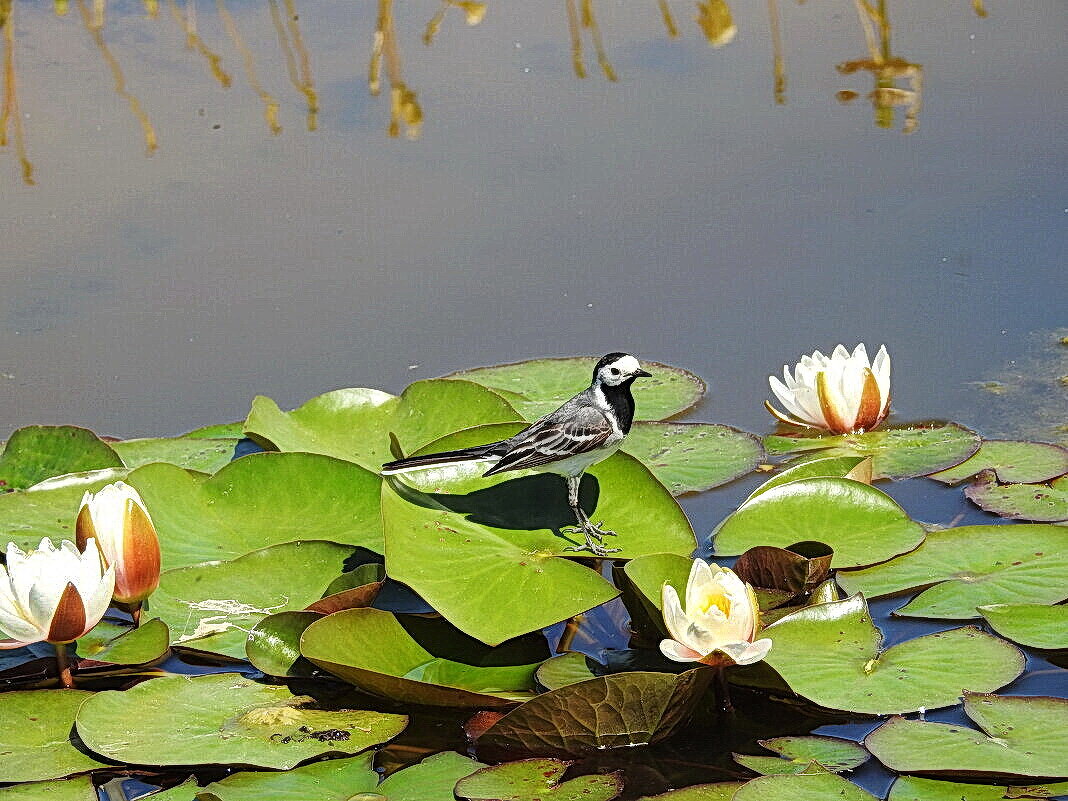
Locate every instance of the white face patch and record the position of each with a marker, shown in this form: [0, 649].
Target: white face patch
[620, 370]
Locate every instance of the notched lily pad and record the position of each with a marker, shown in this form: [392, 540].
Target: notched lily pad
[370, 649]
[35, 453]
[612, 711]
[223, 718]
[1020, 737]
[203, 454]
[972, 566]
[539, 386]
[1013, 461]
[537, 780]
[1033, 625]
[832, 654]
[897, 453]
[124, 644]
[796, 754]
[1038, 502]
[36, 740]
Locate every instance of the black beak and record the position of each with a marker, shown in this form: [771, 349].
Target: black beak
[643, 374]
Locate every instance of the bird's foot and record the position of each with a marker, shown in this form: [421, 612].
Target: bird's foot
[594, 536]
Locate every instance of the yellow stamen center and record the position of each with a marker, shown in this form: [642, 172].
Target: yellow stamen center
[715, 598]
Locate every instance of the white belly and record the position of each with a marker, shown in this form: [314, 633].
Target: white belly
[575, 465]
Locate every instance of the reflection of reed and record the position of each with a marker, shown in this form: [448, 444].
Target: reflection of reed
[90, 20]
[188, 21]
[270, 105]
[584, 18]
[776, 50]
[403, 104]
[302, 80]
[9, 112]
[716, 22]
[669, 21]
[473, 14]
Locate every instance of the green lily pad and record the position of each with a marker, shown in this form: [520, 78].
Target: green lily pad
[80, 788]
[1033, 625]
[1021, 737]
[832, 654]
[802, 787]
[562, 670]
[222, 718]
[692, 457]
[1012, 461]
[35, 453]
[218, 431]
[825, 467]
[648, 574]
[499, 534]
[212, 607]
[915, 788]
[896, 452]
[431, 780]
[179, 792]
[719, 791]
[332, 780]
[1039, 502]
[370, 649]
[613, 711]
[36, 740]
[259, 500]
[797, 753]
[537, 780]
[273, 644]
[539, 386]
[125, 645]
[49, 509]
[193, 453]
[973, 566]
[355, 424]
[861, 523]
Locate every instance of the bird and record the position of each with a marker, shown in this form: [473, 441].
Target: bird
[585, 430]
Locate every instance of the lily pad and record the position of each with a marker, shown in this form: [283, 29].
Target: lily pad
[1033, 625]
[648, 574]
[915, 788]
[35, 453]
[212, 607]
[433, 779]
[370, 649]
[973, 566]
[48, 510]
[539, 386]
[692, 457]
[124, 644]
[1012, 461]
[564, 669]
[499, 534]
[193, 453]
[1039, 502]
[832, 654]
[223, 718]
[795, 571]
[719, 791]
[861, 523]
[218, 431]
[355, 424]
[332, 780]
[36, 740]
[79, 788]
[537, 780]
[1021, 737]
[259, 500]
[797, 753]
[613, 711]
[896, 452]
[857, 468]
[273, 644]
[803, 787]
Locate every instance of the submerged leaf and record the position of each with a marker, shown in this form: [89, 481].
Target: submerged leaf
[1039, 502]
[125, 645]
[797, 753]
[1012, 461]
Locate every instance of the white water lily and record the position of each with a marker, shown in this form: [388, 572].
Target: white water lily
[117, 519]
[52, 594]
[718, 624]
[842, 393]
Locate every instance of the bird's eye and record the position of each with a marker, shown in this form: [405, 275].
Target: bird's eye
[613, 371]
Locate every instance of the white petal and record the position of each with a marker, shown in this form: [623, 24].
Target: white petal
[881, 368]
[787, 399]
[88, 570]
[860, 353]
[98, 599]
[755, 652]
[16, 627]
[674, 618]
[839, 353]
[678, 652]
[698, 586]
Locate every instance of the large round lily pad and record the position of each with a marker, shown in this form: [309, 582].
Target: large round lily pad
[355, 424]
[1020, 737]
[691, 457]
[832, 654]
[1039, 502]
[331, 780]
[861, 523]
[796, 754]
[804, 787]
[1011, 461]
[369, 648]
[973, 566]
[1033, 625]
[35, 453]
[223, 718]
[36, 739]
[212, 607]
[537, 780]
[896, 452]
[613, 711]
[916, 788]
[539, 386]
[259, 500]
[193, 453]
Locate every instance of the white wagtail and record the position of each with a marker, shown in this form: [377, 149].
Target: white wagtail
[588, 428]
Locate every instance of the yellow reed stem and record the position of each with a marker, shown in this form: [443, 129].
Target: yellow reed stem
[589, 21]
[777, 56]
[188, 23]
[10, 108]
[270, 105]
[669, 21]
[576, 39]
[306, 81]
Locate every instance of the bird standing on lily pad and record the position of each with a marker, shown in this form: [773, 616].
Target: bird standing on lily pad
[587, 429]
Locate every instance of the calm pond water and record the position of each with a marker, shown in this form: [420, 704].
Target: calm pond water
[202, 207]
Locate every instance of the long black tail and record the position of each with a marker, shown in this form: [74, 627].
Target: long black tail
[435, 459]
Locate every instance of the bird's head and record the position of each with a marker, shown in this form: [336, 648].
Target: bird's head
[616, 369]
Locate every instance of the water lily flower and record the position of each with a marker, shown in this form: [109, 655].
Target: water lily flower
[720, 620]
[52, 594]
[116, 518]
[843, 393]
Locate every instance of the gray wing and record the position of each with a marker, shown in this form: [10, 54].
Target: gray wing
[574, 428]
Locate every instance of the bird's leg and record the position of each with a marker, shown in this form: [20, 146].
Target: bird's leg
[593, 534]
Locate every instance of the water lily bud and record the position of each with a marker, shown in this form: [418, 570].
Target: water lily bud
[844, 393]
[720, 622]
[52, 594]
[117, 519]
